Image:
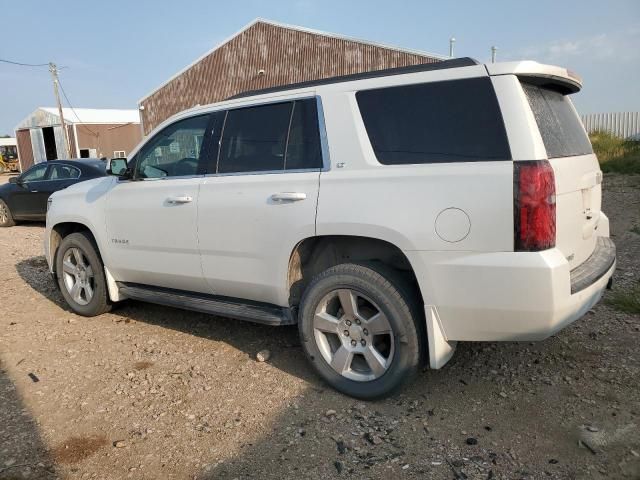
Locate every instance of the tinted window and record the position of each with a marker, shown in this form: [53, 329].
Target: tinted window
[452, 121]
[35, 174]
[559, 125]
[175, 151]
[63, 172]
[303, 148]
[254, 139]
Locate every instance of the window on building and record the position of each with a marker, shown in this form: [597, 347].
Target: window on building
[175, 151]
[449, 121]
[119, 154]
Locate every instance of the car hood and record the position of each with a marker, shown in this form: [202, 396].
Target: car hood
[90, 188]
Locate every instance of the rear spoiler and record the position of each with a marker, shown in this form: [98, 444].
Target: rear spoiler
[538, 73]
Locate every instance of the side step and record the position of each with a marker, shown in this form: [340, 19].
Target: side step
[256, 312]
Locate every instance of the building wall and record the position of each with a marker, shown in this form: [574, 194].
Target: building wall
[108, 138]
[286, 56]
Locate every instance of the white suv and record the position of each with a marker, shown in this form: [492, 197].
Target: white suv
[388, 214]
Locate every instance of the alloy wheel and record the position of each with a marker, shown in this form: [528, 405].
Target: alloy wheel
[353, 335]
[4, 214]
[78, 276]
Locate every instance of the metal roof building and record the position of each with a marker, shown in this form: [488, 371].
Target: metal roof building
[267, 54]
[92, 132]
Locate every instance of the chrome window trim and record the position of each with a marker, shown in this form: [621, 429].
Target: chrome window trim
[324, 141]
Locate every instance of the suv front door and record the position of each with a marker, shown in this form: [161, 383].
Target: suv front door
[151, 218]
[261, 201]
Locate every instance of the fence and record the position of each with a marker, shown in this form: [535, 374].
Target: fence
[622, 124]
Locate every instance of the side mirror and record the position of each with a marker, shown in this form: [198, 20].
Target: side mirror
[15, 180]
[117, 167]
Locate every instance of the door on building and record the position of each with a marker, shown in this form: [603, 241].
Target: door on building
[151, 219]
[49, 137]
[261, 200]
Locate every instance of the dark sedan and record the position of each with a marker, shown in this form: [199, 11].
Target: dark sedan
[25, 196]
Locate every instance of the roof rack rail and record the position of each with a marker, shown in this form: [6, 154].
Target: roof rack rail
[423, 67]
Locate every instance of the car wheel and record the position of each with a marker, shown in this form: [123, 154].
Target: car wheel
[6, 219]
[361, 329]
[80, 275]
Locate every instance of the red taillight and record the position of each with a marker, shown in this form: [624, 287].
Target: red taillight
[534, 205]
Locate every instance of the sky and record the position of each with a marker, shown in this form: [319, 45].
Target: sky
[117, 51]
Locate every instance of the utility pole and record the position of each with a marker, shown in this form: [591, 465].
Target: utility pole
[54, 75]
[452, 42]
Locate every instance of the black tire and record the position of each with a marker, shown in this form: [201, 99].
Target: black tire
[6, 219]
[100, 302]
[394, 297]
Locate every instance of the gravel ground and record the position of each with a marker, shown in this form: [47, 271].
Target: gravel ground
[152, 392]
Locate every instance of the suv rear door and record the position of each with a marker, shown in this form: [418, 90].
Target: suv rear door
[577, 172]
[260, 199]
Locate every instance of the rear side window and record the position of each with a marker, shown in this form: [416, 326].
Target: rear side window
[63, 172]
[281, 136]
[558, 122]
[450, 121]
[303, 148]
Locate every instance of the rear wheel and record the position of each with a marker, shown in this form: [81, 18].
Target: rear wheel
[6, 219]
[80, 275]
[360, 328]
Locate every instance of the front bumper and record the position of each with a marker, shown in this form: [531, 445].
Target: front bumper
[510, 296]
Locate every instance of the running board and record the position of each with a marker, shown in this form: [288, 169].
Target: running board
[256, 312]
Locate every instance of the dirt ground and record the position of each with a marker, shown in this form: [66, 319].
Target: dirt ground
[151, 392]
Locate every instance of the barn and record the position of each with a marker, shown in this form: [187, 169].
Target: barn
[267, 54]
[92, 132]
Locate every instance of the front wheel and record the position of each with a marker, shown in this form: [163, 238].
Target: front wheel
[360, 328]
[80, 275]
[6, 219]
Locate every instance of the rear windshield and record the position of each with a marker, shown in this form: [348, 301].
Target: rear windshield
[560, 127]
[437, 122]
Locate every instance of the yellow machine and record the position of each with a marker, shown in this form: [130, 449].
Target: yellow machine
[8, 158]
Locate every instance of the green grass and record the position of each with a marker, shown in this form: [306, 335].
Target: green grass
[625, 301]
[616, 154]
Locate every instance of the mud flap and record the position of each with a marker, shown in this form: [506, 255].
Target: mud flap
[440, 350]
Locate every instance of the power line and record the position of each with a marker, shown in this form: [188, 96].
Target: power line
[73, 109]
[24, 64]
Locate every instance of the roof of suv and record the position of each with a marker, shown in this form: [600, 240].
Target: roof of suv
[423, 67]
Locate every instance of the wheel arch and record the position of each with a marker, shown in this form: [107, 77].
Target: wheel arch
[60, 230]
[313, 255]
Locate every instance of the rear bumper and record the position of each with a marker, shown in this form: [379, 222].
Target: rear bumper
[511, 296]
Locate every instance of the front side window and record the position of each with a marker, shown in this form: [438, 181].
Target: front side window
[63, 172]
[437, 122]
[175, 151]
[35, 174]
[560, 128]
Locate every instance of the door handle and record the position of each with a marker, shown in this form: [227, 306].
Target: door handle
[179, 200]
[288, 196]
